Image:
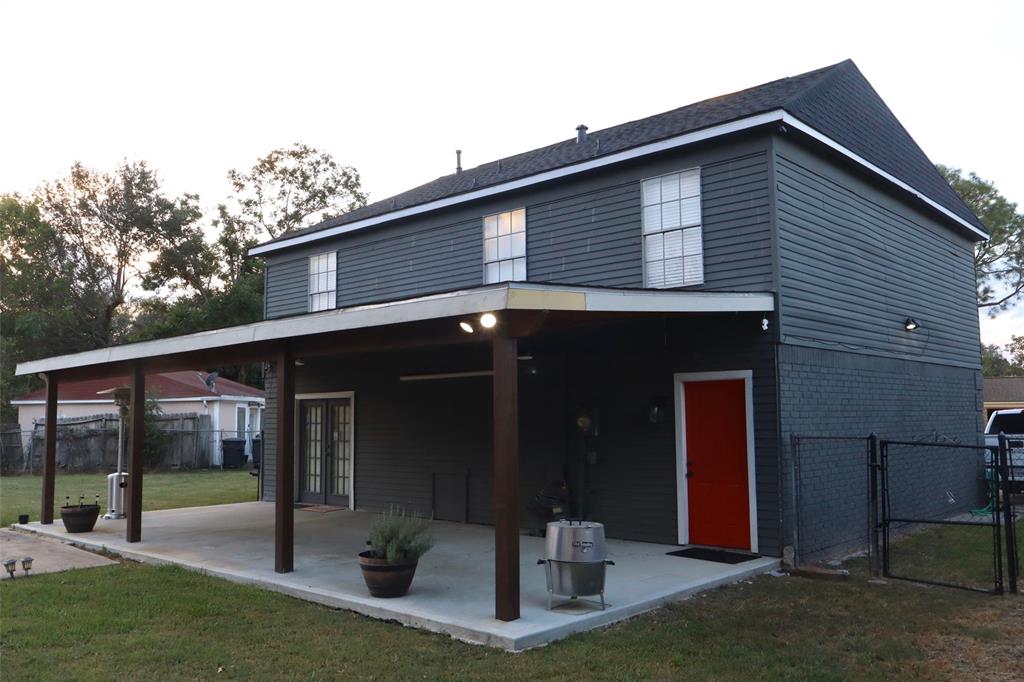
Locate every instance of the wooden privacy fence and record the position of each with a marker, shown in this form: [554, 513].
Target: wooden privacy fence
[86, 444]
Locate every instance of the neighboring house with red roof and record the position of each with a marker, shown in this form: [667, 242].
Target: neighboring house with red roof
[234, 409]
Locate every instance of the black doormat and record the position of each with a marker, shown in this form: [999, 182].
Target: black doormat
[718, 555]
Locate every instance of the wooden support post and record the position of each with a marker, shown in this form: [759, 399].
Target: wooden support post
[50, 450]
[284, 521]
[136, 441]
[506, 476]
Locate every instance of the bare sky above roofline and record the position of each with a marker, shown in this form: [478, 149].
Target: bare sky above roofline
[196, 88]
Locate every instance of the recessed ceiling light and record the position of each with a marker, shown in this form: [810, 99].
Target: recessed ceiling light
[466, 327]
[487, 320]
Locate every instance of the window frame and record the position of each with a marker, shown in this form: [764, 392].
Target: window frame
[681, 228]
[484, 238]
[310, 273]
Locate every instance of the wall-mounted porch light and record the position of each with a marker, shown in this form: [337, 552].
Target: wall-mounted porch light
[910, 324]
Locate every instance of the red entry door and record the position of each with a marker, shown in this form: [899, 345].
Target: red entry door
[716, 463]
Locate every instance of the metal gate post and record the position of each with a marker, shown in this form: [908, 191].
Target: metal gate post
[884, 476]
[874, 563]
[1004, 492]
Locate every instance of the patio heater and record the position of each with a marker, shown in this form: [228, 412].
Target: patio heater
[118, 481]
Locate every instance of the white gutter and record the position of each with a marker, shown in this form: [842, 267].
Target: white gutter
[506, 296]
[777, 115]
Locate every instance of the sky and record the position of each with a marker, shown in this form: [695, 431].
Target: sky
[197, 88]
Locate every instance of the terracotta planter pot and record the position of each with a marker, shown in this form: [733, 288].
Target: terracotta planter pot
[384, 578]
[79, 518]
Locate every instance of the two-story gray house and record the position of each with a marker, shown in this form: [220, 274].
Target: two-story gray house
[638, 317]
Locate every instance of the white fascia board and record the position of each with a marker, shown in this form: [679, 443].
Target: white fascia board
[679, 302]
[466, 302]
[797, 124]
[546, 176]
[341, 319]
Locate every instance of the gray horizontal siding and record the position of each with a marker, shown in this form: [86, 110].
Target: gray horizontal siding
[408, 261]
[582, 230]
[287, 286]
[855, 263]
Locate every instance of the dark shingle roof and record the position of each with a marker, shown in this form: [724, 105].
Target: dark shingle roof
[836, 100]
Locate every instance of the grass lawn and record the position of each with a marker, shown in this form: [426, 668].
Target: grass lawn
[143, 622]
[164, 490]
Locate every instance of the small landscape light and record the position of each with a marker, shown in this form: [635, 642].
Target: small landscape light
[9, 566]
[26, 564]
[488, 320]
[466, 327]
[910, 325]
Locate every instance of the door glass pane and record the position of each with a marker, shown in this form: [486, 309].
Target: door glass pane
[314, 446]
[240, 422]
[341, 447]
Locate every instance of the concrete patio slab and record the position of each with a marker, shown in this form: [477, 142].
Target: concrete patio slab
[48, 555]
[453, 592]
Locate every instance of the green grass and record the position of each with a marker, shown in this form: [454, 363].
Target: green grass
[959, 555]
[145, 622]
[164, 490]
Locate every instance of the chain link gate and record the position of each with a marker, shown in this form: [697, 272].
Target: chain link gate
[905, 467]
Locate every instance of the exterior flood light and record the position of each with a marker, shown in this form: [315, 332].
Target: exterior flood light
[910, 325]
[488, 320]
[466, 327]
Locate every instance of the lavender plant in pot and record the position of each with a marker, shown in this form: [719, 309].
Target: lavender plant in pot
[397, 541]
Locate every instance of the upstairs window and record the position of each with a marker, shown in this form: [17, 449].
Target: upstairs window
[505, 247]
[323, 281]
[673, 243]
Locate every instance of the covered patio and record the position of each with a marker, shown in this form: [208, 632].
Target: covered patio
[271, 535]
[453, 592]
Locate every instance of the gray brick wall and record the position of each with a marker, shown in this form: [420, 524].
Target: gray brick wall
[824, 392]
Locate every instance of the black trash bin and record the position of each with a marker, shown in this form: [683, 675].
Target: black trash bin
[257, 451]
[233, 451]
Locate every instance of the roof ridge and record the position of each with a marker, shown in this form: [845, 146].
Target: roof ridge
[827, 74]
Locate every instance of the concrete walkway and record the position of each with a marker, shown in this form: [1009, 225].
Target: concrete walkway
[48, 556]
[453, 591]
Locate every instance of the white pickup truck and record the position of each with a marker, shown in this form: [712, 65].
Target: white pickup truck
[1010, 422]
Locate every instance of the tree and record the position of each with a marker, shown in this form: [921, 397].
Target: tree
[993, 362]
[1016, 351]
[44, 304]
[108, 223]
[999, 262]
[291, 187]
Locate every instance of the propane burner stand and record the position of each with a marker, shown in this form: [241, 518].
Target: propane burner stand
[575, 559]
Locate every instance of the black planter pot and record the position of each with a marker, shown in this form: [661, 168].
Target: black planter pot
[384, 578]
[79, 518]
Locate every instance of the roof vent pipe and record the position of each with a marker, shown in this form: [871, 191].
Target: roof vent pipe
[581, 134]
[458, 160]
